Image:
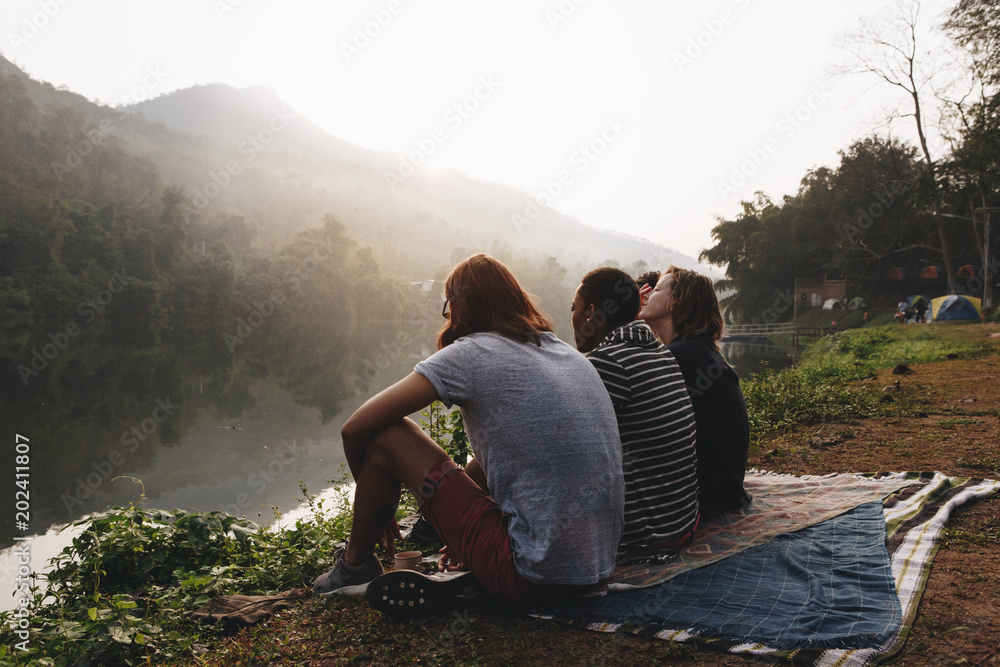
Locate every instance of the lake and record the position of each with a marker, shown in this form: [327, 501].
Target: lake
[748, 359]
[183, 424]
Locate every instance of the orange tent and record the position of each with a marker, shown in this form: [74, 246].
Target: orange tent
[932, 272]
[967, 271]
[896, 273]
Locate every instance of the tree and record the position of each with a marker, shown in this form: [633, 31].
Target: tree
[975, 25]
[760, 258]
[845, 222]
[881, 227]
[891, 53]
[974, 169]
[171, 233]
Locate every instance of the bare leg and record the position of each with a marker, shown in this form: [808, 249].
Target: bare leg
[477, 474]
[398, 454]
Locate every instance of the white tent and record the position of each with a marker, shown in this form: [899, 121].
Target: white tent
[830, 304]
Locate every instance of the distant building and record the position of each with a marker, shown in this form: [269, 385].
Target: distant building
[813, 292]
[424, 285]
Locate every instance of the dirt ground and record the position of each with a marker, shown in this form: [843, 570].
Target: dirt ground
[956, 430]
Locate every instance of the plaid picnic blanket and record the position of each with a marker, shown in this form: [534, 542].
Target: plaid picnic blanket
[843, 591]
[781, 504]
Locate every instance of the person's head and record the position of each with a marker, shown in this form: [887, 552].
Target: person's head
[647, 278]
[483, 296]
[606, 299]
[687, 301]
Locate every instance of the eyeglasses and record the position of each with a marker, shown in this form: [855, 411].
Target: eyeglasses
[445, 311]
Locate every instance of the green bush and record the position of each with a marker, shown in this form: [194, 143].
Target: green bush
[824, 387]
[447, 429]
[124, 591]
[807, 395]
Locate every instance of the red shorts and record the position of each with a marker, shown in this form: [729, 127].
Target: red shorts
[470, 522]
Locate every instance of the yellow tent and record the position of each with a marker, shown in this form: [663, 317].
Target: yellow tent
[956, 307]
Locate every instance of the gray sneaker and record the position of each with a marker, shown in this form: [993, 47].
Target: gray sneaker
[347, 580]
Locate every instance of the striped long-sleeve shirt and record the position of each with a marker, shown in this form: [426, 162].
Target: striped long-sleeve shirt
[657, 427]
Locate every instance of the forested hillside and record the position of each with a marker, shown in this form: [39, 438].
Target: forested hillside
[85, 221]
[196, 196]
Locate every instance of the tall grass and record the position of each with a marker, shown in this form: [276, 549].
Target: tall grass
[887, 346]
[807, 395]
[826, 384]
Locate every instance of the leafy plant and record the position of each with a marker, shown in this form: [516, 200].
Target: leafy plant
[446, 428]
[124, 591]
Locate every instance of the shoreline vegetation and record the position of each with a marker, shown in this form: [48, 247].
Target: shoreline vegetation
[125, 591]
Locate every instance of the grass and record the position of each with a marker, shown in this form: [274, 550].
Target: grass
[956, 421]
[826, 385]
[886, 347]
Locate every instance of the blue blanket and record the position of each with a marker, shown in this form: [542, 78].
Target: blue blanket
[827, 586]
[826, 594]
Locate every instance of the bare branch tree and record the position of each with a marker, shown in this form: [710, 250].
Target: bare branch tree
[888, 49]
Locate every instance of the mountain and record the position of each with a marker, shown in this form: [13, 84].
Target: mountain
[372, 192]
[48, 97]
[244, 153]
[223, 113]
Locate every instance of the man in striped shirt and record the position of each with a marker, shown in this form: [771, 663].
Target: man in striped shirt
[655, 418]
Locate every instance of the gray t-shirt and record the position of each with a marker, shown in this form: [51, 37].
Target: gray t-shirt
[542, 426]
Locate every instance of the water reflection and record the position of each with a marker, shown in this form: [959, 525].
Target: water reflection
[188, 423]
[748, 359]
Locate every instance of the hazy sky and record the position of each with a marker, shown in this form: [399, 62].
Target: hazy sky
[648, 108]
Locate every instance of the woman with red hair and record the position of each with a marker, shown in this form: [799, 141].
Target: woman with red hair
[538, 513]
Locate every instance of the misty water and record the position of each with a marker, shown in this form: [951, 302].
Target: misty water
[200, 428]
[187, 426]
[749, 359]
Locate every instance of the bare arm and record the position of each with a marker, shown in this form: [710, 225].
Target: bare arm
[389, 406]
